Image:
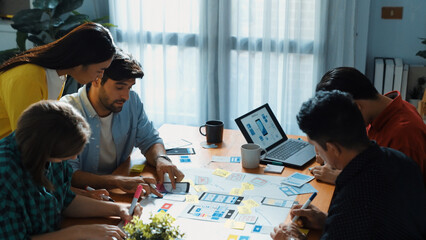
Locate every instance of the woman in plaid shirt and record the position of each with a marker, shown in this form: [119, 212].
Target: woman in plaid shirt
[35, 178]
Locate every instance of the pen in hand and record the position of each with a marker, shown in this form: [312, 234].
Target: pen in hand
[103, 196]
[134, 201]
[305, 205]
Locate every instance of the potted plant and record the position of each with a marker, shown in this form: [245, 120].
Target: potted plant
[47, 21]
[416, 93]
[160, 228]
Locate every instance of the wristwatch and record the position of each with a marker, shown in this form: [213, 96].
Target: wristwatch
[163, 156]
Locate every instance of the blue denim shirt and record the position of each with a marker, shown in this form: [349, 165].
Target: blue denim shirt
[130, 128]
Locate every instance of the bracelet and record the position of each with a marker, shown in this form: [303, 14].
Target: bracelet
[164, 157]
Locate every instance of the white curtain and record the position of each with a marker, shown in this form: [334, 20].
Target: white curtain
[220, 59]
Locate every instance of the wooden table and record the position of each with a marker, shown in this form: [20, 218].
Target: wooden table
[233, 139]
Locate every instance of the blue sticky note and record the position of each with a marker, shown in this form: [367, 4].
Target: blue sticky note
[292, 190]
[257, 228]
[185, 159]
[244, 238]
[235, 159]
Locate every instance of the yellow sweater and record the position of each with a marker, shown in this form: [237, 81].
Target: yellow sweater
[20, 87]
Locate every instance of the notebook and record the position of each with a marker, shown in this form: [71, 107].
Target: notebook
[260, 126]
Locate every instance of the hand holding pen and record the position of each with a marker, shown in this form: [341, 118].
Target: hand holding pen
[313, 217]
[103, 196]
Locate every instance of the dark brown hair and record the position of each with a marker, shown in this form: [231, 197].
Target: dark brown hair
[87, 44]
[123, 67]
[49, 129]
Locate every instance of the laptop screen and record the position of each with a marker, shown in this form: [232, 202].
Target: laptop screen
[261, 127]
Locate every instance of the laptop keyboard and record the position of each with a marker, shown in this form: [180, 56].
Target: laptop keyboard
[287, 149]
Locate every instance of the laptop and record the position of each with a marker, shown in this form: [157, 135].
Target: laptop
[260, 126]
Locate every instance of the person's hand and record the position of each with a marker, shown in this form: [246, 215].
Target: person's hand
[318, 159]
[287, 232]
[123, 211]
[325, 173]
[130, 184]
[310, 217]
[95, 231]
[95, 194]
[164, 166]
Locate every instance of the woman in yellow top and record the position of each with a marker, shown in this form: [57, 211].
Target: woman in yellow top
[40, 73]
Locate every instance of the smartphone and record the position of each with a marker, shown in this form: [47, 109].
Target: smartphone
[166, 187]
[221, 198]
[180, 151]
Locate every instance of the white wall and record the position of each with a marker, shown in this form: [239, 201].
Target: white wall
[396, 38]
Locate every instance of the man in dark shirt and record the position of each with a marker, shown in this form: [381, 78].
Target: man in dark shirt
[379, 193]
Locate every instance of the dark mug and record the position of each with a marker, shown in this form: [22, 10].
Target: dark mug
[214, 131]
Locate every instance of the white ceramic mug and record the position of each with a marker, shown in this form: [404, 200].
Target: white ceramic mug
[250, 155]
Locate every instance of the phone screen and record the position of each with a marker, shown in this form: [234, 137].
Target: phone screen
[166, 187]
[180, 151]
[221, 198]
[261, 127]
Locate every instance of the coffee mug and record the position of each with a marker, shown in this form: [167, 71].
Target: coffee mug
[250, 155]
[214, 131]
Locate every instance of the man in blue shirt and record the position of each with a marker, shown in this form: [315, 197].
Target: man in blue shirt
[379, 194]
[119, 123]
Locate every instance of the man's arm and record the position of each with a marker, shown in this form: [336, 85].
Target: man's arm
[162, 165]
[81, 179]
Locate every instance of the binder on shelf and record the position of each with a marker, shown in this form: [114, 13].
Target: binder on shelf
[379, 69]
[389, 75]
[404, 83]
[397, 80]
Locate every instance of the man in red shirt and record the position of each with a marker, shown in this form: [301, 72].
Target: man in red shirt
[391, 121]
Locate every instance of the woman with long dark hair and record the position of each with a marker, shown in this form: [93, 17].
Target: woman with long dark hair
[35, 178]
[40, 73]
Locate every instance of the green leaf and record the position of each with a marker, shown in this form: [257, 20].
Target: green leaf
[27, 16]
[36, 40]
[421, 54]
[76, 19]
[108, 25]
[7, 54]
[21, 37]
[45, 4]
[67, 6]
[56, 22]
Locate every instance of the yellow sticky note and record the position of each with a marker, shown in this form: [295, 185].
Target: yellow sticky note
[200, 188]
[236, 191]
[191, 198]
[304, 231]
[189, 181]
[250, 203]
[137, 168]
[229, 223]
[221, 173]
[239, 225]
[244, 210]
[232, 237]
[247, 186]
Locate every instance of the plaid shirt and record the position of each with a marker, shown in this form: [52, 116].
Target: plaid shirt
[26, 208]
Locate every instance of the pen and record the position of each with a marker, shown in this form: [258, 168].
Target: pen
[103, 196]
[134, 201]
[305, 205]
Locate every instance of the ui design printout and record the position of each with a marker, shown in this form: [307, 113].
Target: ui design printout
[225, 205]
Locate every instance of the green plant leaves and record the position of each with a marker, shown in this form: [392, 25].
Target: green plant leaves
[67, 6]
[28, 21]
[21, 37]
